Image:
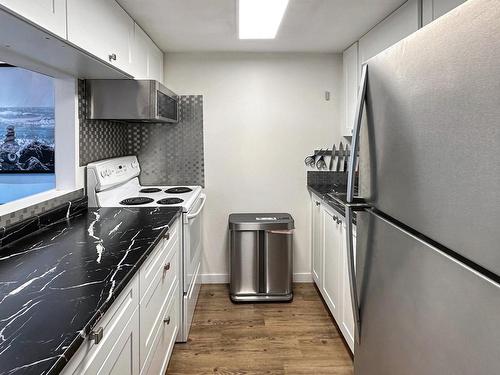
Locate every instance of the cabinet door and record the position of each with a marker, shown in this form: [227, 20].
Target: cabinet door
[49, 14]
[140, 53]
[147, 58]
[155, 62]
[165, 339]
[332, 251]
[350, 69]
[118, 349]
[102, 28]
[156, 298]
[433, 9]
[347, 316]
[401, 23]
[317, 254]
[120, 357]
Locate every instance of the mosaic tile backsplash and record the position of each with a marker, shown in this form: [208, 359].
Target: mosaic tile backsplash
[99, 139]
[38, 209]
[169, 154]
[326, 178]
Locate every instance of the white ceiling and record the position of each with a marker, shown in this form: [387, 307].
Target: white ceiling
[211, 25]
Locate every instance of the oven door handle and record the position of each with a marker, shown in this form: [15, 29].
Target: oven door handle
[203, 197]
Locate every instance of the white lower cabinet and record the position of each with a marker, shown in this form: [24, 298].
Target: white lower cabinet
[161, 293]
[119, 357]
[140, 327]
[332, 250]
[165, 337]
[317, 248]
[118, 348]
[330, 258]
[346, 313]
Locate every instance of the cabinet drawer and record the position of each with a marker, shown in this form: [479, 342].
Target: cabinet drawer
[165, 336]
[115, 321]
[153, 267]
[153, 305]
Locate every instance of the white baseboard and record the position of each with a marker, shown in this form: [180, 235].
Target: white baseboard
[305, 277]
[215, 278]
[223, 278]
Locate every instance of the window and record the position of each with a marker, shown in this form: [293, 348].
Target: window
[27, 133]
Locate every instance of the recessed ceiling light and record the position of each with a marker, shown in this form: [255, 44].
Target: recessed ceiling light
[260, 19]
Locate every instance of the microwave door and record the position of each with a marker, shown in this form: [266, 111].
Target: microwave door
[167, 107]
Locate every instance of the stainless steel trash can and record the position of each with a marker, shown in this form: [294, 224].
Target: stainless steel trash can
[261, 257]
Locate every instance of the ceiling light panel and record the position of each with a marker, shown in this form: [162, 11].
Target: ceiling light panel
[260, 19]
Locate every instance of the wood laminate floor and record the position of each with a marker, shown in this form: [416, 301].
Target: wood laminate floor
[273, 338]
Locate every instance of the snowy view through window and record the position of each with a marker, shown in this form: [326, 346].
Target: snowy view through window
[27, 127]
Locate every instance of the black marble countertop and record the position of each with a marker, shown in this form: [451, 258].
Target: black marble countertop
[57, 282]
[338, 201]
[322, 192]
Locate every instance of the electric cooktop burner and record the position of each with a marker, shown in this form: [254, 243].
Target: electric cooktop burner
[136, 201]
[178, 190]
[150, 190]
[170, 201]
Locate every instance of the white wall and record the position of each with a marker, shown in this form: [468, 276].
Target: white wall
[263, 113]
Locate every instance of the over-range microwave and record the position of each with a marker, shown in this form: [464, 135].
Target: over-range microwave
[130, 100]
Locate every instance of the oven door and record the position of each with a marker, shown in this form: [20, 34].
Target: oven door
[193, 246]
[192, 241]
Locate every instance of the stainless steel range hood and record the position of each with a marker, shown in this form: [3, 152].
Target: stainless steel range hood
[131, 101]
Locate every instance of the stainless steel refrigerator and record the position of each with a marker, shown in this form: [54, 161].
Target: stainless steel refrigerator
[425, 290]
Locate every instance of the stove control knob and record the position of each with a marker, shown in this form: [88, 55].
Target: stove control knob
[134, 164]
[103, 173]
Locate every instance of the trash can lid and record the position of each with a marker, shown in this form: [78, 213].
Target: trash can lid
[261, 221]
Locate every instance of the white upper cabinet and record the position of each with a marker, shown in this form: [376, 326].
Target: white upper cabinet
[147, 58]
[401, 23]
[433, 9]
[102, 28]
[155, 63]
[49, 14]
[140, 53]
[350, 78]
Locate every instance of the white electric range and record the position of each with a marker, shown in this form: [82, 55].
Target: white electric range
[115, 183]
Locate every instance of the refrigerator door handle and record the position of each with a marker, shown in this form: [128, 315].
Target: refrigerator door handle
[355, 136]
[351, 268]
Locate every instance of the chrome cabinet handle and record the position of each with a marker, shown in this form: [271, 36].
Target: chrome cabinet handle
[352, 275]
[351, 170]
[317, 203]
[166, 267]
[97, 335]
[112, 57]
[167, 320]
[336, 219]
[167, 236]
